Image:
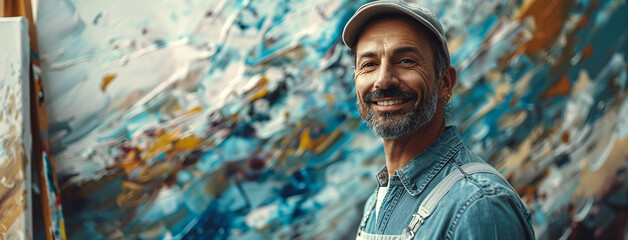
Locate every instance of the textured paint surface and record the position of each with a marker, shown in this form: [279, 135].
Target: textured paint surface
[15, 136]
[216, 119]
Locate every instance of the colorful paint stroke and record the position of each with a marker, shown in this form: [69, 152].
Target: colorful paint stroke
[236, 119]
[15, 135]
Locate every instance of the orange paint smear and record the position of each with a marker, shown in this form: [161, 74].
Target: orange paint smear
[130, 163]
[562, 87]
[513, 101]
[587, 52]
[565, 137]
[105, 82]
[549, 18]
[563, 62]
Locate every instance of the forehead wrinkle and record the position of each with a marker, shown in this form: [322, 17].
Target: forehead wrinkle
[369, 49]
[388, 38]
[406, 49]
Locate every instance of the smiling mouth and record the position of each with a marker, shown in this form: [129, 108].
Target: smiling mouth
[390, 102]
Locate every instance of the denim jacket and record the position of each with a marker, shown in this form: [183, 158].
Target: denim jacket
[479, 206]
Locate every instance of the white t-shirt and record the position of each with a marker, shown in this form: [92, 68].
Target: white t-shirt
[381, 193]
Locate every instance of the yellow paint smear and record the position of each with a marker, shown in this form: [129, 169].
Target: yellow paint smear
[305, 142]
[106, 81]
[259, 94]
[330, 100]
[162, 144]
[187, 143]
[14, 196]
[191, 112]
[324, 143]
[194, 110]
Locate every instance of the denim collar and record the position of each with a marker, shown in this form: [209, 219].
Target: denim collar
[423, 167]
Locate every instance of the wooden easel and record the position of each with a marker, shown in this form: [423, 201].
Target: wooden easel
[39, 121]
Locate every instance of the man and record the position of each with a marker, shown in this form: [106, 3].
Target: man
[432, 186]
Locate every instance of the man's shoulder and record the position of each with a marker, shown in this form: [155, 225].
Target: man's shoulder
[464, 155]
[485, 185]
[480, 186]
[487, 197]
[472, 187]
[484, 192]
[482, 183]
[482, 196]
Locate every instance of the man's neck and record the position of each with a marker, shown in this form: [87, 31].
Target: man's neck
[400, 151]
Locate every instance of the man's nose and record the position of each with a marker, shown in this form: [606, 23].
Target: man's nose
[386, 77]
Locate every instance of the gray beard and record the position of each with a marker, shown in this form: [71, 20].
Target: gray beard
[413, 119]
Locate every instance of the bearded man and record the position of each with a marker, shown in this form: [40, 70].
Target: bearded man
[432, 186]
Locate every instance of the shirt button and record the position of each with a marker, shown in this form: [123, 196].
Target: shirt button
[414, 187]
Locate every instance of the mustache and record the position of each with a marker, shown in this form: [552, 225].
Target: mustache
[389, 93]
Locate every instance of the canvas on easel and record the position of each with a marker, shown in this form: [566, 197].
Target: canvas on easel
[46, 207]
[15, 134]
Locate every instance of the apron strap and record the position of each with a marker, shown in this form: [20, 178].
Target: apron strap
[370, 204]
[431, 201]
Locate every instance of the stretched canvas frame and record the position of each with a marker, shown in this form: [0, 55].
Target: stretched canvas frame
[36, 148]
[15, 135]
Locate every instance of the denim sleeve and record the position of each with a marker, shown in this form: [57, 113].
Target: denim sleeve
[495, 216]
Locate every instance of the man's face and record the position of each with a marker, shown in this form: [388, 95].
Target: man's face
[394, 77]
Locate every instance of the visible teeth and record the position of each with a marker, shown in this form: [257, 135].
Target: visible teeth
[390, 102]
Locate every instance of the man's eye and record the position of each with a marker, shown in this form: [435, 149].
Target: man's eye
[406, 61]
[368, 65]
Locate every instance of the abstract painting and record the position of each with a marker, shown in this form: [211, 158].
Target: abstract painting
[237, 119]
[15, 135]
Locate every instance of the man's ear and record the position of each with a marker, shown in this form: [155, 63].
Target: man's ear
[447, 82]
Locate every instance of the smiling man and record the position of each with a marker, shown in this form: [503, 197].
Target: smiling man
[432, 186]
